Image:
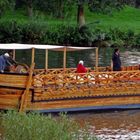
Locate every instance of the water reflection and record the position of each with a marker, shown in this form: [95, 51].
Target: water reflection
[55, 59]
[118, 125]
[131, 57]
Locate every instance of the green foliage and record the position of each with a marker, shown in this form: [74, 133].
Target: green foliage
[121, 29]
[33, 126]
[6, 4]
[72, 35]
[36, 33]
[56, 8]
[118, 37]
[33, 33]
[105, 6]
[10, 32]
[136, 40]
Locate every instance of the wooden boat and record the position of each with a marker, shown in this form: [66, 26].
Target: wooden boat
[62, 89]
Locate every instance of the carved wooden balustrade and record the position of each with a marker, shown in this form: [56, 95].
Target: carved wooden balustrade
[57, 84]
[57, 71]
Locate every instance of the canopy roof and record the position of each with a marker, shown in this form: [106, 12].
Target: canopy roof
[48, 47]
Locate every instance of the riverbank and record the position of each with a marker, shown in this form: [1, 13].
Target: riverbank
[119, 29]
[126, 19]
[33, 126]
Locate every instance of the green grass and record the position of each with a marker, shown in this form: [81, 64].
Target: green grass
[32, 126]
[128, 18]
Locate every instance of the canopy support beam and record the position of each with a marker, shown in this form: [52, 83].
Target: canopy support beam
[46, 60]
[33, 56]
[64, 58]
[96, 64]
[14, 54]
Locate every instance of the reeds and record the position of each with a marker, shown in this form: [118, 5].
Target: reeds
[34, 126]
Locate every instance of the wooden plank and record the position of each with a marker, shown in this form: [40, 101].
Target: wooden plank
[25, 94]
[13, 80]
[84, 103]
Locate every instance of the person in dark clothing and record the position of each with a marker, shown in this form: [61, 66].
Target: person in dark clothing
[3, 62]
[116, 60]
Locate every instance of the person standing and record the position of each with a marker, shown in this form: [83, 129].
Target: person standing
[3, 61]
[116, 60]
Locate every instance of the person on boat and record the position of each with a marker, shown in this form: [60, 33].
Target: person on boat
[3, 62]
[116, 60]
[81, 68]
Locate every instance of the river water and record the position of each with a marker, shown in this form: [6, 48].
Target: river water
[113, 125]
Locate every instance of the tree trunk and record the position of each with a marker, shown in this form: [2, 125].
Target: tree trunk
[30, 8]
[60, 9]
[30, 11]
[80, 15]
[137, 4]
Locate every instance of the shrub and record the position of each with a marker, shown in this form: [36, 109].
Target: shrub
[33, 126]
[10, 32]
[136, 41]
[33, 33]
[39, 33]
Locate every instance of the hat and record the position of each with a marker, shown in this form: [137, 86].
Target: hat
[6, 54]
[81, 62]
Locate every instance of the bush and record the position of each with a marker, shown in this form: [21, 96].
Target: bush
[33, 33]
[6, 4]
[33, 126]
[10, 32]
[36, 33]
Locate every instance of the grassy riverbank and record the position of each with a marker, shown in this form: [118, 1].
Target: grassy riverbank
[121, 28]
[126, 19]
[21, 126]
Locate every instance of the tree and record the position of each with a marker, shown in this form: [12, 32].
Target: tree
[29, 6]
[137, 4]
[56, 8]
[80, 14]
[100, 6]
[5, 4]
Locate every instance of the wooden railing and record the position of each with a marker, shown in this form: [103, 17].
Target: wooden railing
[73, 70]
[90, 84]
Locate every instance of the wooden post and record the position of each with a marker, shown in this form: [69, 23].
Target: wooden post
[96, 64]
[23, 102]
[64, 59]
[14, 54]
[33, 56]
[46, 60]
[111, 65]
